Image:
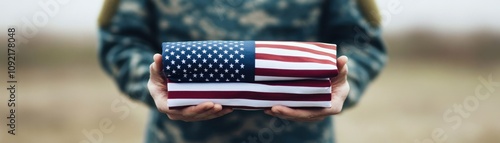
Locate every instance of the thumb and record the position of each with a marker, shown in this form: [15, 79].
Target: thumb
[155, 69]
[343, 70]
[157, 85]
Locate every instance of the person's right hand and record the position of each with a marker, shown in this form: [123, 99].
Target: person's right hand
[158, 89]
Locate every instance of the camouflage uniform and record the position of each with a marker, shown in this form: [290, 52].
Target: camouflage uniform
[131, 31]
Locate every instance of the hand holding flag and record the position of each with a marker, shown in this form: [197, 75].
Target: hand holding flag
[208, 110]
[340, 90]
[159, 91]
[203, 76]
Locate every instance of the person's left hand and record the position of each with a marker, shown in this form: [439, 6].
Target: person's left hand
[340, 89]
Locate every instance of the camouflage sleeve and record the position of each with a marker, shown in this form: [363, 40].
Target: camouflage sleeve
[127, 44]
[346, 23]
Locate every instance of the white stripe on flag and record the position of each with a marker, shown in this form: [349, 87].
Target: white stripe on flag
[294, 53]
[247, 102]
[269, 64]
[254, 87]
[298, 44]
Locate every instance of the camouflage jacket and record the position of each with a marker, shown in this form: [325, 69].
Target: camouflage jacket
[131, 31]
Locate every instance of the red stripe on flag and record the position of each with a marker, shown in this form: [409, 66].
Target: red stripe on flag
[332, 55]
[296, 73]
[291, 59]
[307, 83]
[247, 95]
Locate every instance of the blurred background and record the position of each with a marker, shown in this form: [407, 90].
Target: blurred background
[438, 49]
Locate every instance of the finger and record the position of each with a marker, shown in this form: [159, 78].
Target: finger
[340, 87]
[156, 81]
[212, 116]
[337, 104]
[290, 113]
[198, 109]
[343, 70]
[179, 113]
[269, 112]
[216, 108]
[157, 85]
[223, 112]
[155, 69]
[341, 61]
[276, 114]
[298, 119]
[186, 114]
[286, 117]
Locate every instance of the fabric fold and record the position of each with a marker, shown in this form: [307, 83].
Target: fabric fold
[254, 74]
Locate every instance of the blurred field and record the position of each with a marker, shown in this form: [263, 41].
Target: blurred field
[62, 92]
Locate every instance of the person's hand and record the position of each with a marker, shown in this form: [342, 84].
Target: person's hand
[340, 89]
[158, 89]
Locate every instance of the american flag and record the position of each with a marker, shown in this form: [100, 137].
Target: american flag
[254, 74]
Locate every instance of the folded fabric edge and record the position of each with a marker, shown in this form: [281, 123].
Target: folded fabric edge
[173, 103]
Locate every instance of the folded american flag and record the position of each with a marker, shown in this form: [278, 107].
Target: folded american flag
[249, 74]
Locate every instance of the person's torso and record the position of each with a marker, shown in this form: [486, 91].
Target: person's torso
[237, 19]
[296, 20]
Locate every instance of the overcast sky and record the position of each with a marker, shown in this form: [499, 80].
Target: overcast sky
[443, 15]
